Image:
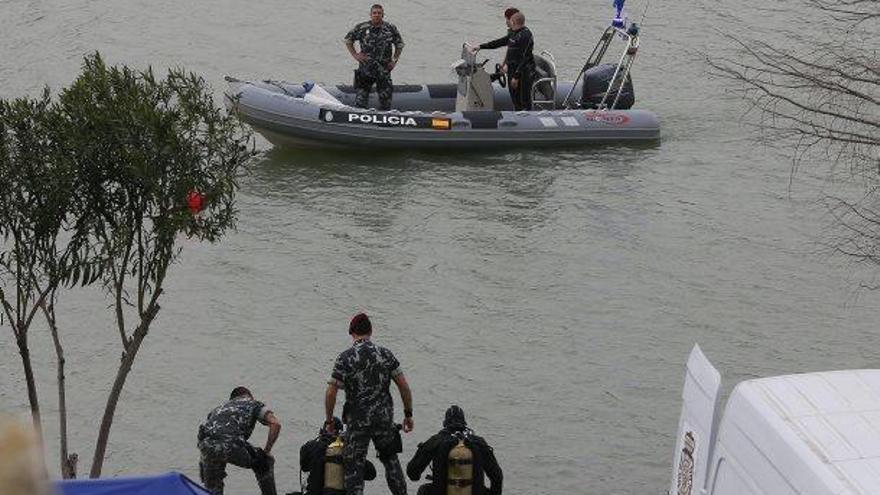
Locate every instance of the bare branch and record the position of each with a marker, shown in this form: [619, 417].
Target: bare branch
[815, 96]
[7, 309]
[854, 11]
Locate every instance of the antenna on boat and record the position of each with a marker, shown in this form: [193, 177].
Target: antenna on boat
[644, 13]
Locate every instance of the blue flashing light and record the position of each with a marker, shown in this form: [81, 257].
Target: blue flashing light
[618, 20]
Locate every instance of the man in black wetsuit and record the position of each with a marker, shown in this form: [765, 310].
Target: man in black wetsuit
[313, 457]
[439, 452]
[520, 61]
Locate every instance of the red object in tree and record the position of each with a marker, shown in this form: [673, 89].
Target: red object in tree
[195, 202]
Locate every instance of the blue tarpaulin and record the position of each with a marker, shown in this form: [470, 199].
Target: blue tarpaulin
[161, 484]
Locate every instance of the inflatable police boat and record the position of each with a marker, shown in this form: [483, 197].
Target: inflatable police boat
[475, 113]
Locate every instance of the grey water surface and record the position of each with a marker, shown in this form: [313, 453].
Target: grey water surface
[554, 295]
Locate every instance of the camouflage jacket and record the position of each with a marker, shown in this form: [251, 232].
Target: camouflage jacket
[364, 371]
[376, 41]
[232, 421]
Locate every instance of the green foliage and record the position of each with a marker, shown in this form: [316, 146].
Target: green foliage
[139, 146]
[35, 196]
[94, 187]
[109, 167]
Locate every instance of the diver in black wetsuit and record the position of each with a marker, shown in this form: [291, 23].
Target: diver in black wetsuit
[520, 61]
[314, 456]
[460, 461]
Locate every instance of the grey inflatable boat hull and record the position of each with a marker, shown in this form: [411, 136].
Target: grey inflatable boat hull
[425, 118]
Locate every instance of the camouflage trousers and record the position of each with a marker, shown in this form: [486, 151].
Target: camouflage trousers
[365, 78]
[212, 466]
[386, 439]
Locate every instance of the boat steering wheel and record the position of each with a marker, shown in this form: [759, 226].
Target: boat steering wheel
[500, 76]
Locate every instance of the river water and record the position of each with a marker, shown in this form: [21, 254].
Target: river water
[553, 295]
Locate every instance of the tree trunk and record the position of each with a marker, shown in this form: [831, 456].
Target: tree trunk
[21, 340]
[113, 399]
[68, 462]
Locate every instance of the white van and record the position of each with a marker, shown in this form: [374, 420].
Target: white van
[813, 433]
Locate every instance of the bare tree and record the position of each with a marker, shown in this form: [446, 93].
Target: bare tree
[852, 11]
[819, 95]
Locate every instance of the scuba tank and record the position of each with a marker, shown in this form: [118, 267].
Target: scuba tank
[460, 470]
[334, 476]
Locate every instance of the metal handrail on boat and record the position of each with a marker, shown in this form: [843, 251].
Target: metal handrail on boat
[621, 72]
[551, 80]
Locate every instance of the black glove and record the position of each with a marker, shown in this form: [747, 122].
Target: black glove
[262, 460]
[369, 471]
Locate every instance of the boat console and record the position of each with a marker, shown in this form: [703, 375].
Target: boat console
[474, 90]
[603, 86]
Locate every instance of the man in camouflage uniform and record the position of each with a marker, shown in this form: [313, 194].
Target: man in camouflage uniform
[223, 438]
[365, 371]
[375, 61]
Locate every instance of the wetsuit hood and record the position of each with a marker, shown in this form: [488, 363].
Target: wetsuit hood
[454, 419]
[337, 427]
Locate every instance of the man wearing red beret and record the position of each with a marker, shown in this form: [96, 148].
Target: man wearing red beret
[519, 61]
[365, 371]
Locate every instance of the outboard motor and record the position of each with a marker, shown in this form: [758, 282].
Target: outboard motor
[474, 84]
[597, 80]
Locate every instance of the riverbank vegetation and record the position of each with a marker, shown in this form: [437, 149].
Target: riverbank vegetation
[98, 185]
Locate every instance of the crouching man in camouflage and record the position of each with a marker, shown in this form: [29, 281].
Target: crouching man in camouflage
[365, 371]
[375, 61]
[223, 438]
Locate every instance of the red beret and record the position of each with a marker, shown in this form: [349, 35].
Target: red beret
[360, 325]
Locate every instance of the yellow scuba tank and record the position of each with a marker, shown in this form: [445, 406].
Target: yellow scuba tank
[334, 476]
[460, 470]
